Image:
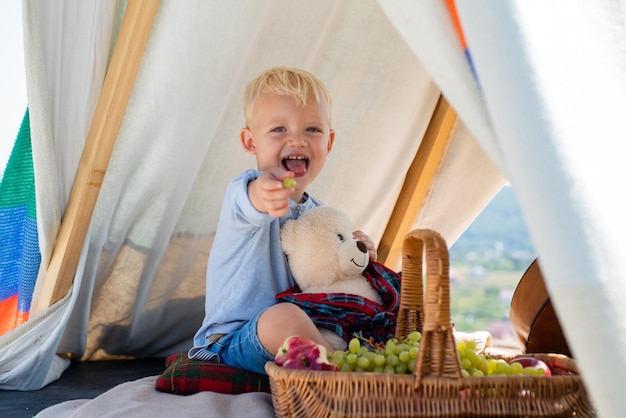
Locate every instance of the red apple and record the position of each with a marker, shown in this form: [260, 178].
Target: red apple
[298, 352]
[529, 361]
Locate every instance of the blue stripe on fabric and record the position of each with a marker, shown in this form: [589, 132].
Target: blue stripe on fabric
[19, 255]
[12, 222]
[29, 269]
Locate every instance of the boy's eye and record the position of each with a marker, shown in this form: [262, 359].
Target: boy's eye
[313, 129]
[340, 237]
[279, 129]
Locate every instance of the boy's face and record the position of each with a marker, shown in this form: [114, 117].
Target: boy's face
[284, 134]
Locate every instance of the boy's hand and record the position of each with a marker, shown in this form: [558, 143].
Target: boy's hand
[371, 247]
[268, 194]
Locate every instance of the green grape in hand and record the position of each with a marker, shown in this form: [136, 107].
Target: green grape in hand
[289, 182]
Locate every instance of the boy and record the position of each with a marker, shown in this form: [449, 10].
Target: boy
[288, 130]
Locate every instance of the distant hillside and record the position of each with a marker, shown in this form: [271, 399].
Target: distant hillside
[499, 232]
[487, 262]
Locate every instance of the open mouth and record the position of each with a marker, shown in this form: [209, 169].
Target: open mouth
[297, 164]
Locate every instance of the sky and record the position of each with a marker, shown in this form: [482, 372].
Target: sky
[12, 77]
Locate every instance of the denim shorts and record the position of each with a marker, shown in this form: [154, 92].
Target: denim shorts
[242, 348]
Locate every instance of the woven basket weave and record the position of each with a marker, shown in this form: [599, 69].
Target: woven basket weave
[436, 388]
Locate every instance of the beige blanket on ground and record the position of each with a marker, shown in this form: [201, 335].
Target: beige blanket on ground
[139, 399]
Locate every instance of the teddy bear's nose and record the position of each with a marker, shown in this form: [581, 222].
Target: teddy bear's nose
[361, 246]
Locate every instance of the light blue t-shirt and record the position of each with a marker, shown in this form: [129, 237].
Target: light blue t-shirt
[247, 266]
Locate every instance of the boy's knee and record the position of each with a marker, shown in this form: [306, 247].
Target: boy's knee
[284, 313]
[281, 321]
[285, 319]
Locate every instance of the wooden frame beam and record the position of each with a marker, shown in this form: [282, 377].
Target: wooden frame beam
[116, 90]
[417, 182]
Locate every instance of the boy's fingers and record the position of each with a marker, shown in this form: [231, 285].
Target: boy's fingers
[371, 248]
[277, 210]
[278, 179]
[277, 201]
[373, 255]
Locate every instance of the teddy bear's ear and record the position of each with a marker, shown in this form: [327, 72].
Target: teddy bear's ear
[287, 235]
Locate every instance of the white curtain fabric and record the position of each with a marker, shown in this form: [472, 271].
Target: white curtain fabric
[471, 173]
[553, 83]
[66, 53]
[139, 290]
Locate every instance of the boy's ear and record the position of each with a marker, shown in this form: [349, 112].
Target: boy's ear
[331, 140]
[247, 141]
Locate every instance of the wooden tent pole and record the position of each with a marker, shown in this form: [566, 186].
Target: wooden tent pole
[116, 90]
[417, 182]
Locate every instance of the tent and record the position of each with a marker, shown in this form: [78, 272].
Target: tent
[133, 114]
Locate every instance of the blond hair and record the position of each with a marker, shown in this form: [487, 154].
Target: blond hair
[293, 82]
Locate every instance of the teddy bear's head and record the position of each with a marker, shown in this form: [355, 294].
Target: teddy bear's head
[320, 248]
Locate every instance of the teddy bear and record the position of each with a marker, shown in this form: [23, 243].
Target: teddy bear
[324, 258]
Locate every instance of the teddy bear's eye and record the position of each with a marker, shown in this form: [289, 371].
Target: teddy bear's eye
[340, 237]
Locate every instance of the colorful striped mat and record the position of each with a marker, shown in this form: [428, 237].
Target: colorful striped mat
[19, 248]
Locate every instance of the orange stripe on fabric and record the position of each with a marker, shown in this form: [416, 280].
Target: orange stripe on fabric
[10, 317]
[457, 22]
[8, 314]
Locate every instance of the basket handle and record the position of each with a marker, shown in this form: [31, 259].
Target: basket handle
[437, 355]
[411, 309]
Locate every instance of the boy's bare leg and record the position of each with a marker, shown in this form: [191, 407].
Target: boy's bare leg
[284, 320]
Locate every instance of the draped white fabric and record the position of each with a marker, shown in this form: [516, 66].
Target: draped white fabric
[553, 80]
[140, 289]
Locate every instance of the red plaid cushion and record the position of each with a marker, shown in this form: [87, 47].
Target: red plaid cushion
[185, 376]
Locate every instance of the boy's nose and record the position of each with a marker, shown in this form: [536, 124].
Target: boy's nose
[298, 140]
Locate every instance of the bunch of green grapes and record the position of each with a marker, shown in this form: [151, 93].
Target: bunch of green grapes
[399, 357]
[474, 364]
[392, 357]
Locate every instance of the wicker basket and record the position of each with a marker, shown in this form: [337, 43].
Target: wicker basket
[437, 388]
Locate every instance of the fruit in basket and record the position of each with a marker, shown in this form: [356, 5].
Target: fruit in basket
[532, 366]
[298, 352]
[391, 357]
[476, 364]
[399, 357]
